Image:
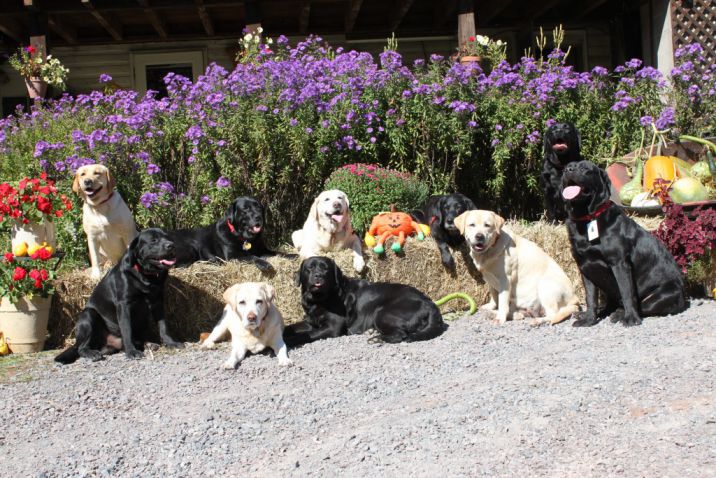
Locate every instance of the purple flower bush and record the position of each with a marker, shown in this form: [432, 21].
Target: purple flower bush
[275, 127]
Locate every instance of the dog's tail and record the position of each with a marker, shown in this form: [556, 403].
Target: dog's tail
[68, 356]
[565, 312]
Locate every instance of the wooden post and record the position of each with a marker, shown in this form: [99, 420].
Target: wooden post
[465, 22]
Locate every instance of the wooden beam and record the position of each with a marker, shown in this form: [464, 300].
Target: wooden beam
[443, 11]
[67, 33]
[465, 28]
[588, 8]
[352, 14]
[112, 27]
[205, 18]
[491, 10]
[153, 18]
[9, 29]
[402, 8]
[304, 16]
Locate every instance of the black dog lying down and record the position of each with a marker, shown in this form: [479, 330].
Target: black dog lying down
[117, 312]
[439, 213]
[237, 235]
[635, 271]
[336, 305]
[561, 147]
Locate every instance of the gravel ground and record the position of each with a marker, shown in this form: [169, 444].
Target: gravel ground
[482, 399]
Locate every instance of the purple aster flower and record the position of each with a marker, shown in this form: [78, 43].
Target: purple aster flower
[152, 168]
[666, 119]
[634, 63]
[205, 199]
[223, 182]
[149, 199]
[104, 78]
[646, 121]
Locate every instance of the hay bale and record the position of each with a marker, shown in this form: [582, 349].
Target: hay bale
[193, 295]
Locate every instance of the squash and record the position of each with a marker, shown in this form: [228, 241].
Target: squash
[663, 167]
[633, 187]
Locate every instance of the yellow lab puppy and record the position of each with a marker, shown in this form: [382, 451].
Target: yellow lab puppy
[106, 219]
[522, 278]
[254, 322]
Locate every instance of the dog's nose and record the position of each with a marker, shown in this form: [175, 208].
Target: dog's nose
[336, 205]
[251, 316]
[480, 237]
[87, 182]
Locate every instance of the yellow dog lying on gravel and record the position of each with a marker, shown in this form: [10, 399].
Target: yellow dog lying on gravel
[523, 279]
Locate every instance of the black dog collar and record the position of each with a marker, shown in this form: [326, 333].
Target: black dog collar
[590, 217]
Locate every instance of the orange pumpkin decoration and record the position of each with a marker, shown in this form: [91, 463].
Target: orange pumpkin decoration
[660, 167]
[389, 224]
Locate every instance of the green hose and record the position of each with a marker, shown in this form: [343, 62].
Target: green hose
[458, 295]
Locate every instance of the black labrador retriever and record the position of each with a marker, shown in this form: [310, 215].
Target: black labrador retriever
[336, 305]
[439, 213]
[636, 273]
[116, 315]
[237, 235]
[561, 146]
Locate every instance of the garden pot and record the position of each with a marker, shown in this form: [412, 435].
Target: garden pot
[36, 87]
[25, 323]
[470, 59]
[33, 233]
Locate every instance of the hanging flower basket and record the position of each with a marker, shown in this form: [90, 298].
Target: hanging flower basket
[36, 87]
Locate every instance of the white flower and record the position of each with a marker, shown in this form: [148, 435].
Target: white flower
[269, 41]
[499, 42]
[248, 37]
[482, 40]
[260, 30]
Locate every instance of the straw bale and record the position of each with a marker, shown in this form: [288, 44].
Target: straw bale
[193, 295]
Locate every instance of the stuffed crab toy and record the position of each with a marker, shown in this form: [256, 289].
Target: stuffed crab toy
[388, 224]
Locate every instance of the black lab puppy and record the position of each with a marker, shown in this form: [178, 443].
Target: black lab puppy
[561, 147]
[116, 315]
[439, 213]
[237, 235]
[635, 271]
[336, 305]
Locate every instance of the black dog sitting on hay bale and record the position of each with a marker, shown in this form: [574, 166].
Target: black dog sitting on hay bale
[115, 315]
[336, 305]
[561, 146]
[237, 235]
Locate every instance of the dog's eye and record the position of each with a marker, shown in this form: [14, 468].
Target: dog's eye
[472, 224]
[259, 302]
[242, 302]
[487, 224]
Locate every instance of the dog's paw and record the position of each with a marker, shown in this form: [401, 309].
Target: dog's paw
[228, 365]
[93, 355]
[358, 264]
[538, 322]
[518, 316]
[448, 262]
[134, 354]
[264, 266]
[285, 362]
[630, 320]
[489, 306]
[95, 273]
[616, 316]
[208, 345]
[584, 319]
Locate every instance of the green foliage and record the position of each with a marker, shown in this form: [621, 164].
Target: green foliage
[371, 190]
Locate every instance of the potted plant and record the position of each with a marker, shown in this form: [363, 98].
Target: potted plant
[30, 206]
[482, 49]
[38, 71]
[26, 287]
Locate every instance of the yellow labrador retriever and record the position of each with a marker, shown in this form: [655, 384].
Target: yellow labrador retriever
[106, 219]
[254, 322]
[523, 279]
[328, 227]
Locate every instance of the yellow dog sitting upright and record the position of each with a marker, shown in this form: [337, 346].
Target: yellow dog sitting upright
[106, 219]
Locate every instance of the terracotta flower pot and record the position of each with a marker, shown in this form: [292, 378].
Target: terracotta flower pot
[36, 87]
[470, 59]
[25, 323]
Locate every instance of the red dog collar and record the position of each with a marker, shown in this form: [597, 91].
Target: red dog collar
[138, 268]
[600, 210]
[231, 226]
[107, 199]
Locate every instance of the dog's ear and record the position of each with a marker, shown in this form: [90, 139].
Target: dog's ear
[230, 295]
[111, 183]
[76, 183]
[269, 292]
[230, 211]
[460, 222]
[338, 276]
[499, 222]
[313, 212]
[298, 275]
[602, 190]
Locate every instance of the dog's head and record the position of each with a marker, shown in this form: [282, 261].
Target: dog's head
[153, 251]
[331, 207]
[449, 208]
[585, 187]
[319, 275]
[246, 216]
[251, 301]
[562, 144]
[481, 229]
[93, 183]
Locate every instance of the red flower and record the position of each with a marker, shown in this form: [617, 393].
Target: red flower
[43, 175]
[471, 38]
[58, 213]
[38, 284]
[35, 274]
[44, 205]
[9, 257]
[42, 254]
[19, 273]
[31, 50]
[43, 274]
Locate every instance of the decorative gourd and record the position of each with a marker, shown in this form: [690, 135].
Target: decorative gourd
[688, 190]
[633, 187]
[644, 199]
[663, 167]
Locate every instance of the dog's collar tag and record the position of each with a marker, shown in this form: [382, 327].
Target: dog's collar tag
[592, 230]
[246, 246]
